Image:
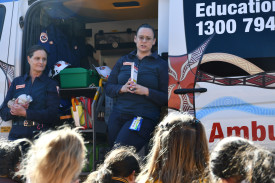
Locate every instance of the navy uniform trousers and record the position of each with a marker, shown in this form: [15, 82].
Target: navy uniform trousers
[119, 132]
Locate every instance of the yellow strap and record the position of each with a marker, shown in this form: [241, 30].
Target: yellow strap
[100, 82]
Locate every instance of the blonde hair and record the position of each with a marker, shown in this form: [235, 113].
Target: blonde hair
[179, 150]
[55, 157]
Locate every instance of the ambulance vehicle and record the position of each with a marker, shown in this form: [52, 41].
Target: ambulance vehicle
[221, 53]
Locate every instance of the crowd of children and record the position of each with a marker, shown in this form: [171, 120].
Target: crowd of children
[179, 153]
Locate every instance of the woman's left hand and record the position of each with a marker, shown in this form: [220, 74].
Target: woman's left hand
[139, 90]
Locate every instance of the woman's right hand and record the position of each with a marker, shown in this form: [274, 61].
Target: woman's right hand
[126, 88]
[18, 110]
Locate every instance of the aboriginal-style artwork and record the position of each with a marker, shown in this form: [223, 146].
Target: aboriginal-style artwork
[262, 80]
[236, 104]
[182, 71]
[232, 59]
[257, 78]
[8, 71]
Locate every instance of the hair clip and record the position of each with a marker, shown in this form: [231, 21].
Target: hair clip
[165, 127]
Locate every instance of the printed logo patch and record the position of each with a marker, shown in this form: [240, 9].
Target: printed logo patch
[20, 86]
[127, 63]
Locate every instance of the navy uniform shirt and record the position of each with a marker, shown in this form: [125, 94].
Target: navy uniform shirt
[152, 73]
[44, 107]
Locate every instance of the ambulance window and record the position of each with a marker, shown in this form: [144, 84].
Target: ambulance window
[2, 18]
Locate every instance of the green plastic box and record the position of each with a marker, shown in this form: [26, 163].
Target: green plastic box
[78, 78]
[94, 77]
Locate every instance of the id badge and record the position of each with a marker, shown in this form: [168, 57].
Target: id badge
[136, 123]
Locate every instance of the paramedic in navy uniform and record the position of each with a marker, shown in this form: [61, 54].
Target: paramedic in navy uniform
[143, 99]
[43, 110]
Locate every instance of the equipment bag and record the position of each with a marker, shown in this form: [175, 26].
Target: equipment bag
[77, 112]
[86, 103]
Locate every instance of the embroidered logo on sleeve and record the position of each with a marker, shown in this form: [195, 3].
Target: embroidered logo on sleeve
[127, 63]
[20, 86]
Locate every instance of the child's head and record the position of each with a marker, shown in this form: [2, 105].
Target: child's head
[223, 162]
[262, 163]
[121, 163]
[179, 150]
[56, 157]
[237, 159]
[10, 156]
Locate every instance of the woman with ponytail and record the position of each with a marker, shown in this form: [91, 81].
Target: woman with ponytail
[179, 151]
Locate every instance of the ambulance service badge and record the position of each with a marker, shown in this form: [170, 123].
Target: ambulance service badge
[43, 37]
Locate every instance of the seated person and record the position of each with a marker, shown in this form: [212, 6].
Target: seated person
[137, 102]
